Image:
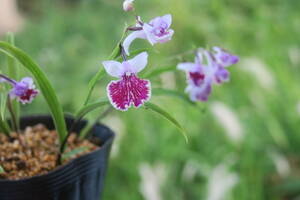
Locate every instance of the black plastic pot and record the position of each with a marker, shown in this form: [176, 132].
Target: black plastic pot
[80, 179]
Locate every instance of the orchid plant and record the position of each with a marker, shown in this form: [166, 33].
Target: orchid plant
[129, 90]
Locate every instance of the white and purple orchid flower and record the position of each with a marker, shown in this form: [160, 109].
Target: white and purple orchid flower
[203, 73]
[156, 31]
[24, 91]
[129, 90]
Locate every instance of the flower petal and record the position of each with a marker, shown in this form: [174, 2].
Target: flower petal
[113, 68]
[221, 75]
[199, 93]
[225, 58]
[149, 34]
[139, 62]
[167, 19]
[188, 67]
[130, 90]
[28, 96]
[167, 37]
[28, 81]
[131, 37]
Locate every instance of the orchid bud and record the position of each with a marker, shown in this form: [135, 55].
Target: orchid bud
[128, 5]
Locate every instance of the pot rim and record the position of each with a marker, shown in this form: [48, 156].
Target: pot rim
[102, 148]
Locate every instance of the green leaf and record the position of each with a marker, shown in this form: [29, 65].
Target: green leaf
[166, 92]
[159, 71]
[44, 86]
[167, 116]
[4, 127]
[3, 99]
[74, 152]
[1, 170]
[90, 107]
[13, 72]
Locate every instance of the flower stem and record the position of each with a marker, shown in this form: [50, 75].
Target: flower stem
[123, 53]
[8, 79]
[88, 128]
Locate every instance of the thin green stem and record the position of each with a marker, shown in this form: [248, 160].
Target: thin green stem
[13, 116]
[84, 133]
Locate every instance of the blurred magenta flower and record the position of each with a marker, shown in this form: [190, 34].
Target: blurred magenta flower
[129, 90]
[203, 73]
[24, 91]
[156, 31]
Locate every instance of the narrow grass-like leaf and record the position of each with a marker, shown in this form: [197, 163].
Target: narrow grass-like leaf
[4, 127]
[44, 85]
[74, 152]
[3, 99]
[2, 170]
[159, 71]
[13, 72]
[167, 116]
[172, 93]
[90, 107]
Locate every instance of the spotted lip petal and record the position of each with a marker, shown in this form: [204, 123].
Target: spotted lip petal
[28, 96]
[129, 91]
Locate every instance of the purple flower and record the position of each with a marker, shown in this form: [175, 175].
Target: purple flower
[156, 31]
[199, 84]
[24, 91]
[225, 58]
[203, 73]
[129, 89]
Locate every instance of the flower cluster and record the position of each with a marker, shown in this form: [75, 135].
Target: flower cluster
[24, 91]
[131, 90]
[209, 67]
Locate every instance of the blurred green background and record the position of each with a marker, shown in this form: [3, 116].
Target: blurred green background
[244, 142]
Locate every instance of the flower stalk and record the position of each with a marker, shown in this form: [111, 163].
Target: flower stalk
[14, 120]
